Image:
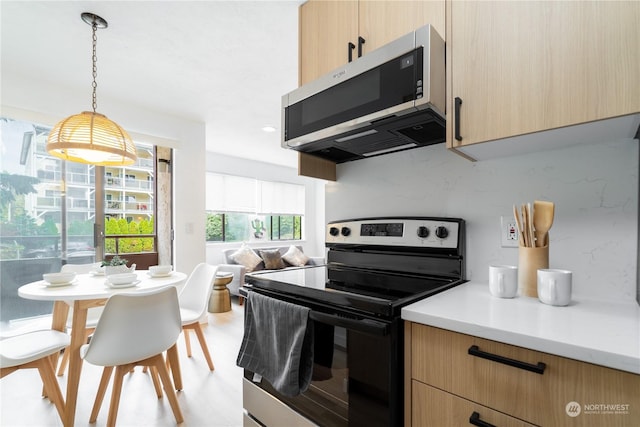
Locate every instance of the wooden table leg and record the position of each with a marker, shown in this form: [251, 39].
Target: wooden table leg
[75, 362]
[60, 313]
[58, 323]
[174, 364]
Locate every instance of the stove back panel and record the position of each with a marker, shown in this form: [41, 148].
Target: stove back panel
[405, 263]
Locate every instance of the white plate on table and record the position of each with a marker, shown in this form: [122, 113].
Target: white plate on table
[57, 285]
[159, 274]
[96, 273]
[123, 285]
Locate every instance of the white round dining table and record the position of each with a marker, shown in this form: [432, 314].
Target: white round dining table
[84, 292]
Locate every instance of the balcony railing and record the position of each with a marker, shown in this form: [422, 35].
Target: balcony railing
[78, 178]
[138, 184]
[129, 243]
[145, 163]
[49, 175]
[49, 202]
[117, 205]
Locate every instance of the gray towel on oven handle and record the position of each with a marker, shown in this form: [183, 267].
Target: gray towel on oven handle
[277, 343]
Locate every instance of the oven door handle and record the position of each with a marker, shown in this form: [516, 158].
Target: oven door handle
[368, 326]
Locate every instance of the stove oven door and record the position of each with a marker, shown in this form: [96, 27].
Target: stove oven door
[357, 379]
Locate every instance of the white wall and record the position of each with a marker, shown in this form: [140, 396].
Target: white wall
[46, 104]
[595, 189]
[313, 220]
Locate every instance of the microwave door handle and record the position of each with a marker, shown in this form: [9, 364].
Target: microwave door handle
[368, 326]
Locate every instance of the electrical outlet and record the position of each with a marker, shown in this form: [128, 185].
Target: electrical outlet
[508, 232]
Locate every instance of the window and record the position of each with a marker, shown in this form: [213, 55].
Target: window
[47, 213]
[240, 227]
[285, 227]
[241, 209]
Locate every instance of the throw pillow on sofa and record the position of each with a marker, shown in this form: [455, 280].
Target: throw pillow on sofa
[295, 257]
[272, 260]
[247, 257]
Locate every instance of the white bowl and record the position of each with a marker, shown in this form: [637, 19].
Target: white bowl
[56, 278]
[122, 278]
[155, 270]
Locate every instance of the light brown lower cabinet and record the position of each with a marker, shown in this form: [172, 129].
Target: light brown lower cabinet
[530, 386]
[433, 407]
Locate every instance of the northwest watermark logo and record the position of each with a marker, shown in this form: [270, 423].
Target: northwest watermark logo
[573, 409]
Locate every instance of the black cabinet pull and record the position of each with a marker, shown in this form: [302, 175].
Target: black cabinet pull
[350, 48]
[361, 41]
[476, 421]
[458, 103]
[538, 369]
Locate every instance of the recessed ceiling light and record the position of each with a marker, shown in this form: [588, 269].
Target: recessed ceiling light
[269, 129]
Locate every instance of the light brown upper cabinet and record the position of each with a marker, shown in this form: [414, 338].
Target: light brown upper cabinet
[326, 28]
[330, 29]
[523, 67]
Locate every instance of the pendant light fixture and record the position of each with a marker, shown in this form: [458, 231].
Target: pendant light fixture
[90, 137]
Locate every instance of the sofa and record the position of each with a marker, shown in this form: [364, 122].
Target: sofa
[239, 270]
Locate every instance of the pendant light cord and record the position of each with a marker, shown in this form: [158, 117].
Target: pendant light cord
[94, 59]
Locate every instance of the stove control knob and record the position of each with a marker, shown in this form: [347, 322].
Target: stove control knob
[442, 232]
[345, 231]
[334, 231]
[423, 232]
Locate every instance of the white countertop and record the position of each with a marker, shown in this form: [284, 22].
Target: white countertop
[604, 333]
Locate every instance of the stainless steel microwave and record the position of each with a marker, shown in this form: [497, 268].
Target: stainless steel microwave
[388, 100]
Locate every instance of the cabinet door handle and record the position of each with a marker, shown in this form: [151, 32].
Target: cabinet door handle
[458, 103]
[538, 369]
[350, 48]
[361, 41]
[476, 421]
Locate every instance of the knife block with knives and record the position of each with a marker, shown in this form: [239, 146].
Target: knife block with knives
[533, 224]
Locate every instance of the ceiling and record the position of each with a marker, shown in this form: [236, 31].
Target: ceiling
[224, 63]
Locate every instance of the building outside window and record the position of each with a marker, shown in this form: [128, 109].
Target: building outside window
[47, 212]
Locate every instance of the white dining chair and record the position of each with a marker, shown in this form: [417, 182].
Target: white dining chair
[34, 350]
[194, 299]
[93, 314]
[134, 330]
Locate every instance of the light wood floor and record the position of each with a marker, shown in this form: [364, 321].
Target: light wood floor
[208, 399]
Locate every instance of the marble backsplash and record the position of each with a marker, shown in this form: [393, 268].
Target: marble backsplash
[594, 187]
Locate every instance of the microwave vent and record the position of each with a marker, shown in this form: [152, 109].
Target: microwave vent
[418, 129]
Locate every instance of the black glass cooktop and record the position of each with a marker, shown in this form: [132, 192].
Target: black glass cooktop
[369, 292]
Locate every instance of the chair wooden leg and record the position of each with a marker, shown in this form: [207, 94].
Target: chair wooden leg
[6, 371]
[187, 341]
[63, 362]
[53, 359]
[158, 362]
[102, 389]
[156, 383]
[173, 363]
[52, 389]
[203, 343]
[121, 371]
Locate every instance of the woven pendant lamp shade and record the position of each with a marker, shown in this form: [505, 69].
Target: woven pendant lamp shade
[90, 137]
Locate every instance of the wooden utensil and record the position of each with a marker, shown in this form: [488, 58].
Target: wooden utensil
[516, 214]
[532, 234]
[525, 226]
[542, 221]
